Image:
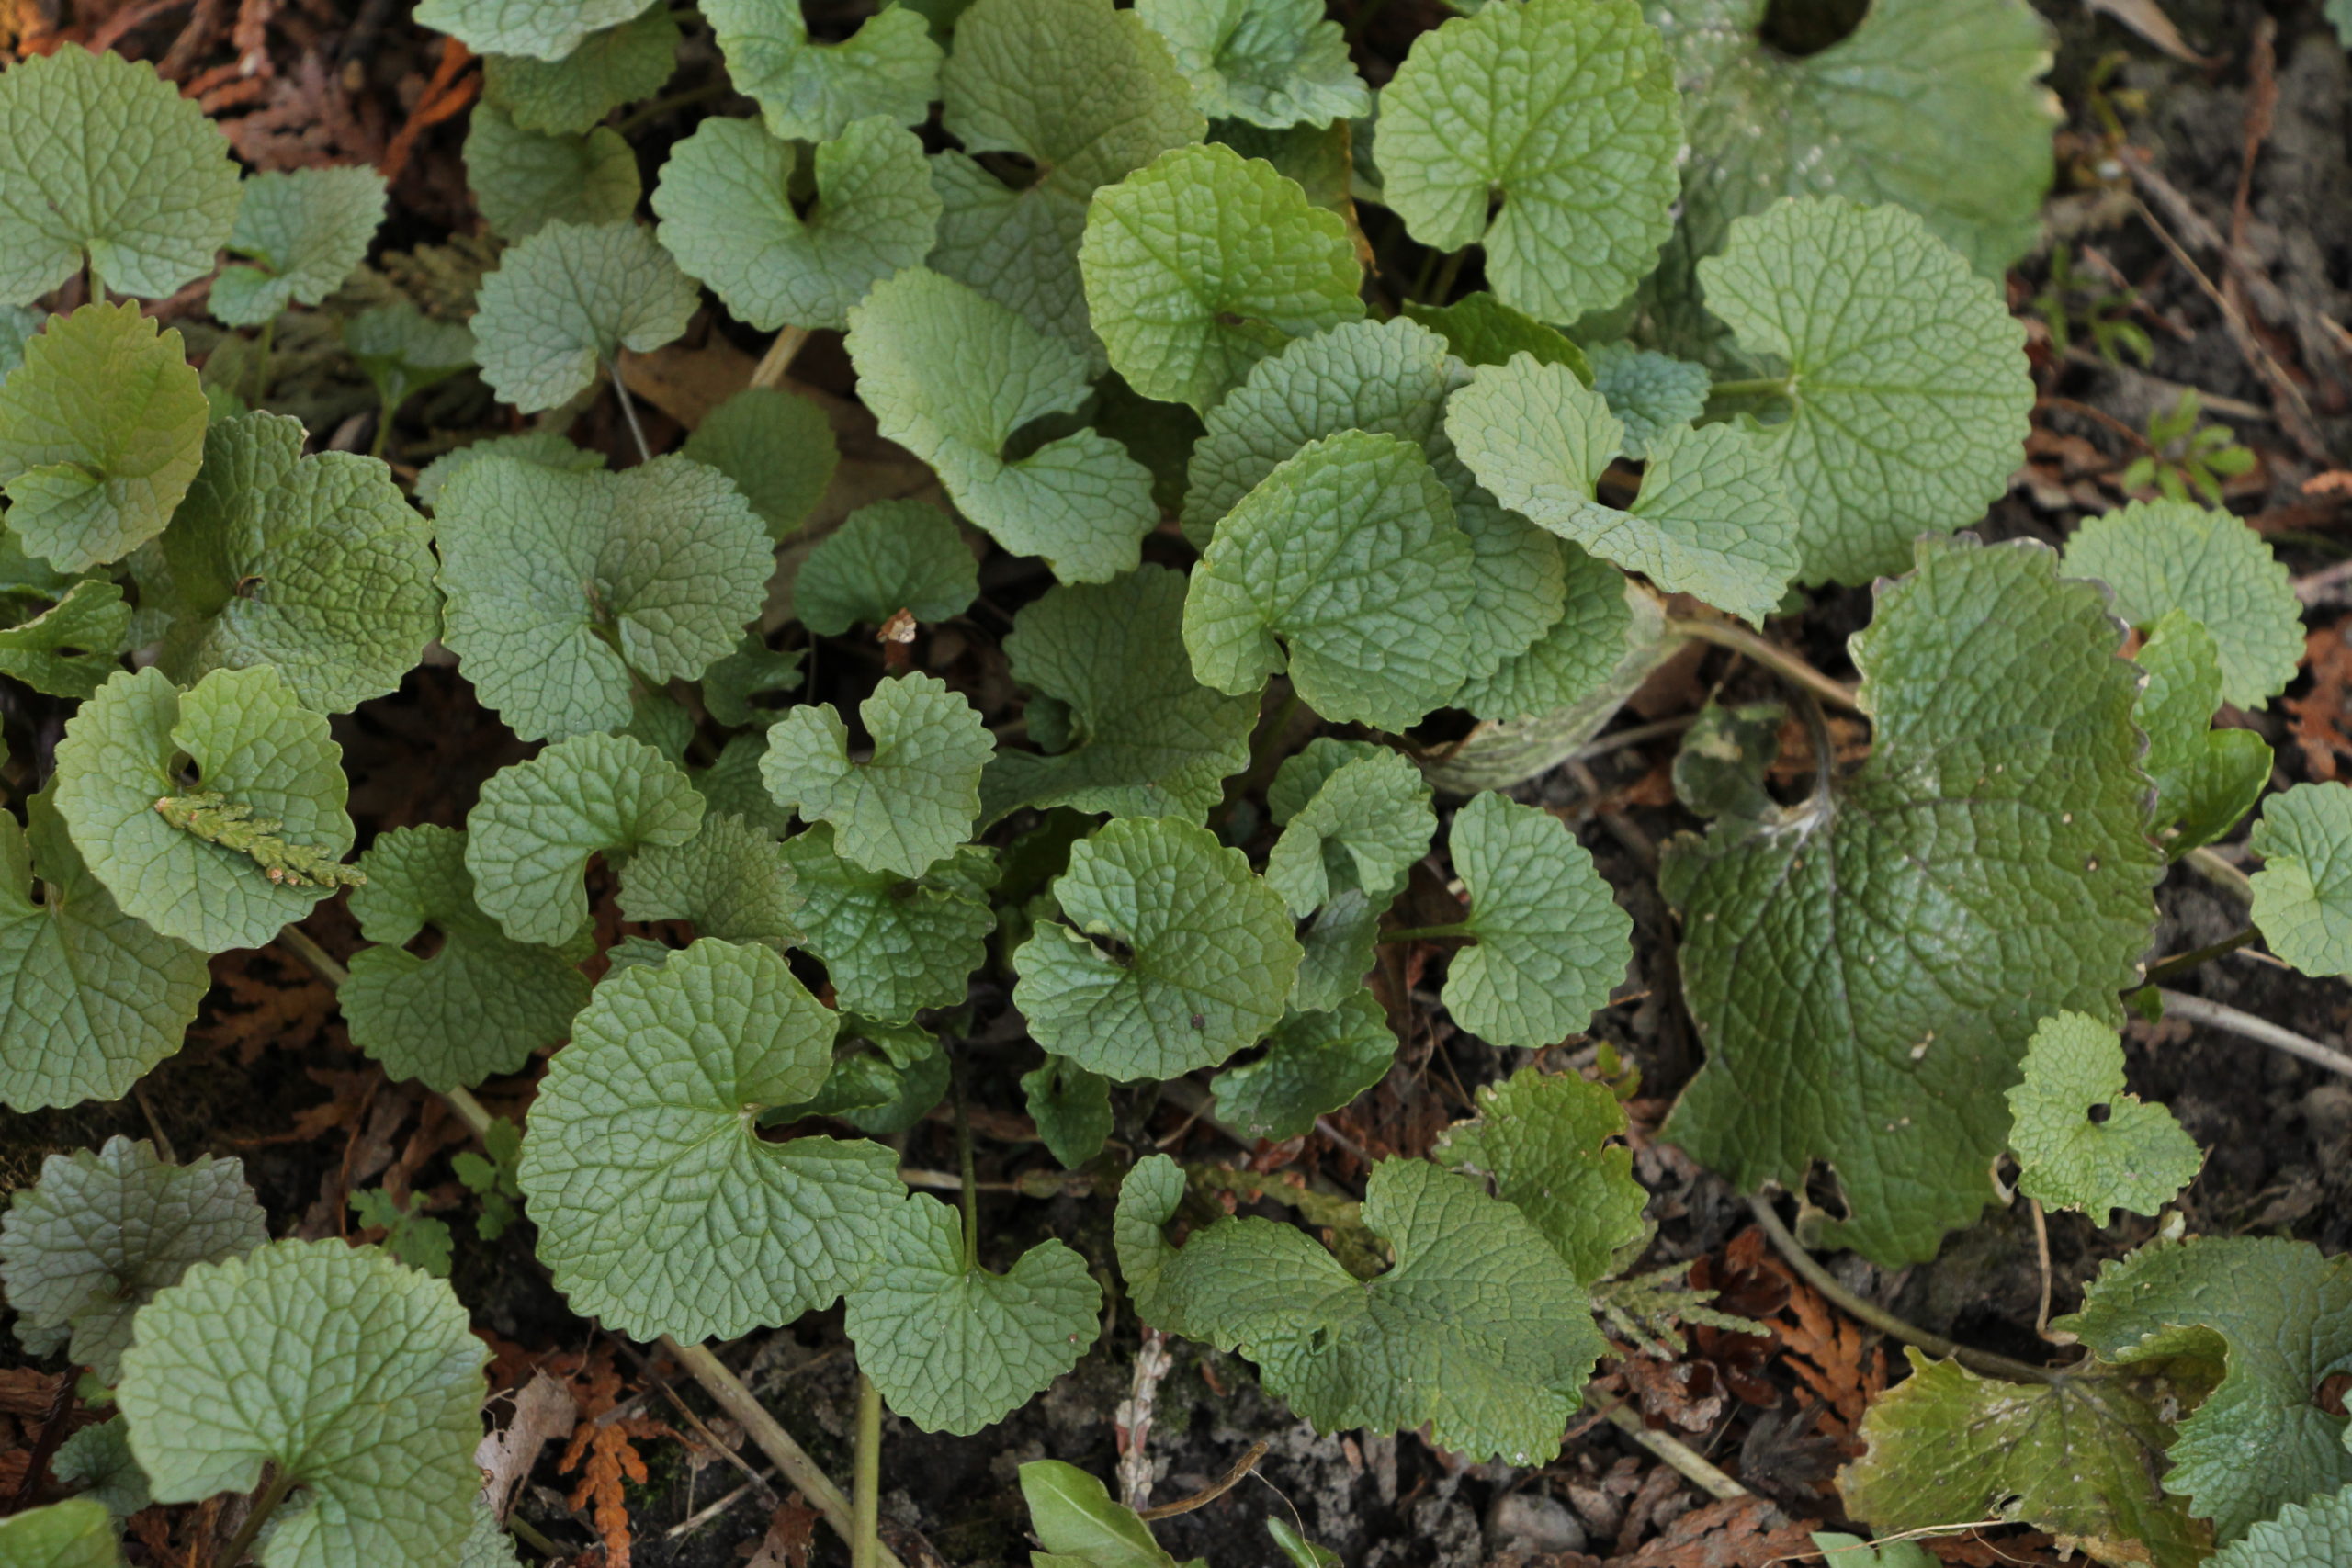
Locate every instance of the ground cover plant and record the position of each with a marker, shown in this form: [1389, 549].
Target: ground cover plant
[908, 672]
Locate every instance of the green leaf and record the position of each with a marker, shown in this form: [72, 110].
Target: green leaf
[1204, 263]
[2076, 1456]
[1714, 518]
[90, 478]
[548, 448]
[730, 880]
[728, 214]
[731, 785]
[100, 1234]
[1907, 383]
[1071, 1107]
[247, 735]
[616, 66]
[309, 230]
[1482, 329]
[69, 648]
[561, 584]
[1073, 1516]
[413, 1236]
[1314, 1063]
[812, 92]
[1271, 62]
[2272, 1319]
[1080, 501]
[2162, 556]
[2303, 1535]
[1866, 968]
[316, 566]
[2302, 894]
[884, 558]
[101, 158]
[404, 353]
[97, 998]
[1478, 144]
[2206, 778]
[97, 1462]
[529, 836]
[1113, 693]
[1348, 553]
[660, 1210]
[543, 29]
[2135, 1157]
[1648, 393]
[1478, 1330]
[891, 946]
[523, 180]
[487, 1546]
[1543, 1140]
[76, 1533]
[482, 1004]
[778, 449]
[1301, 1552]
[1175, 956]
[18, 326]
[1551, 940]
[1930, 104]
[1085, 93]
[569, 297]
[1392, 377]
[753, 669]
[1361, 825]
[359, 1380]
[1338, 943]
[1609, 632]
[954, 1348]
[912, 799]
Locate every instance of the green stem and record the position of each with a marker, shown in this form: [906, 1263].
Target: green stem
[1762, 386]
[383, 432]
[686, 98]
[1265, 757]
[2182, 963]
[971, 1180]
[865, 1545]
[1980, 1362]
[1447, 276]
[628, 413]
[266, 342]
[530, 1535]
[1460, 928]
[2220, 873]
[1771, 655]
[264, 1506]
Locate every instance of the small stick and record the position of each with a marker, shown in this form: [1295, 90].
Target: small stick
[1132, 1420]
[2041, 1255]
[2213, 1015]
[866, 1544]
[777, 360]
[1212, 1490]
[1676, 1454]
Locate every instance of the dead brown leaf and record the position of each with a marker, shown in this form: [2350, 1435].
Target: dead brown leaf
[2316, 718]
[792, 1536]
[1744, 1532]
[541, 1413]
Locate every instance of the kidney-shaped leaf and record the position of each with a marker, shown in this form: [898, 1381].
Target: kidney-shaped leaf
[2134, 1156]
[544, 29]
[358, 1379]
[892, 945]
[573, 296]
[660, 1210]
[76, 1533]
[2302, 894]
[1271, 62]
[306, 230]
[1544, 1139]
[2167, 556]
[912, 800]
[812, 92]
[1551, 940]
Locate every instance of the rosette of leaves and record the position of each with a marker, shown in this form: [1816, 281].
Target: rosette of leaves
[312, 565]
[238, 739]
[103, 161]
[355, 1383]
[481, 1003]
[1085, 91]
[1080, 499]
[1478, 1330]
[560, 585]
[1169, 954]
[101, 434]
[94, 1240]
[1866, 968]
[660, 1209]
